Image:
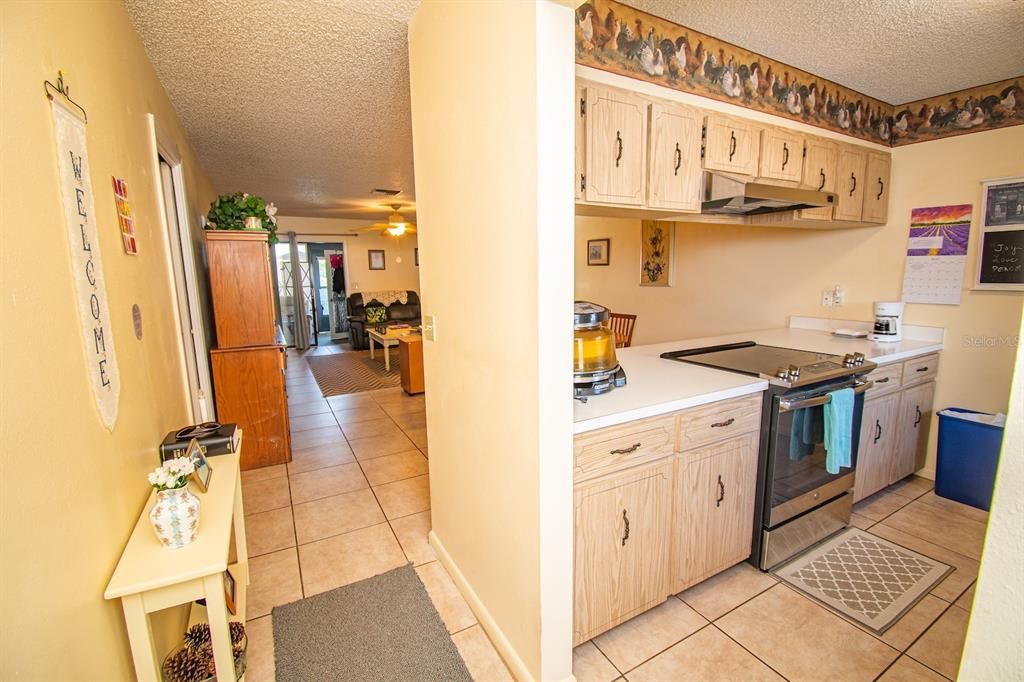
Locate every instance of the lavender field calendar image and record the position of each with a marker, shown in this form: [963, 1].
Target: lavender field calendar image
[937, 254]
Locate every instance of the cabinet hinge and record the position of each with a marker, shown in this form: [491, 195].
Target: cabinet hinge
[583, 182]
[703, 139]
[583, 107]
[805, 152]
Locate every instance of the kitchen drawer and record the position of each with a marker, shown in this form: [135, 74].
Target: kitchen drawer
[921, 369]
[718, 421]
[887, 378]
[617, 447]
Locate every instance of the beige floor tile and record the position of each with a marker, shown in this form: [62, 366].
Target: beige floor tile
[263, 473]
[915, 621]
[727, 590]
[361, 413]
[411, 420]
[804, 641]
[321, 436]
[378, 446]
[862, 522]
[311, 421]
[269, 531]
[304, 394]
[402, 498]
[881, 505]
[390, 468]
[261, 496]
[482, 661]
[941, 646]
[273, 580]
[966, 600]
[906, 669]
[405, 405]
[705, 656]
[348, 558]
[336, 515]
[412, 534]
[590, 665]
[371, 427]
[418, 436]
[448, 601]
[351, 400]
[953, 507]
[301, 382]
[312, 485]
[933, 524]
[630, 644]
[965, 569]
[320, 457]
[312, 407]
[912, 486]
[259, 656]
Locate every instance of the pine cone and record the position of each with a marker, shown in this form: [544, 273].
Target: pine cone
[186, 666]
[237, 631]
[198, 637]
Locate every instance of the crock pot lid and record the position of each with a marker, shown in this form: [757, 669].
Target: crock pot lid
[585, 312]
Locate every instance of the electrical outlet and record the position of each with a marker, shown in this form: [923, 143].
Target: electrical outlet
[826, 298]
[838, 295]
[429, 328]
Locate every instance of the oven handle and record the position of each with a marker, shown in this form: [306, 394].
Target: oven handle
[790, 405]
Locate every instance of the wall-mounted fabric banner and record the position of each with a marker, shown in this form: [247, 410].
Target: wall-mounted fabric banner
[86, 264]
[619, 39]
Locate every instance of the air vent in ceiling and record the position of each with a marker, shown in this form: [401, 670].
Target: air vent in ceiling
[386, 192]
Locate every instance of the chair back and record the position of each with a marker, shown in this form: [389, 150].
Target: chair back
[622, 325]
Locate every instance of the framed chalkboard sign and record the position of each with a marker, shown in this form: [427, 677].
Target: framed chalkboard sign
[1001, 243]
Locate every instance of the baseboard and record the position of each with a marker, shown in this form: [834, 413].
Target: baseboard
[501, 644]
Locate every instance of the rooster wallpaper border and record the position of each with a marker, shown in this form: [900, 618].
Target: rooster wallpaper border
[617, 38]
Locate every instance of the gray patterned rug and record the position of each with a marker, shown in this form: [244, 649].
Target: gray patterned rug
[863, 577]
[353, 372]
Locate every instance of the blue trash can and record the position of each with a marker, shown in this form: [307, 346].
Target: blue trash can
[968, 454]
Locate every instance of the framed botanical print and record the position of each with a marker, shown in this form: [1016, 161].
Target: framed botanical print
[656, 252]
[598, 251]
[376, 257]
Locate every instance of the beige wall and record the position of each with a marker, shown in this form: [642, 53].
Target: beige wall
[396, 275]
[737, 278]
[71, 490]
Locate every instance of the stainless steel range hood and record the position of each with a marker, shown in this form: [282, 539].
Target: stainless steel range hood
[733, 195]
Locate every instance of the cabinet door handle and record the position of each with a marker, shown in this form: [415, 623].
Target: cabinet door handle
[922, 369]
[821, 173]
[721, 491]
[878, 431]
[732, 145]
[881, 188]
[618, 142]
[625, 534]
[679, 160]
[727, 422]
[785, 155]
[882, 381]
[625, 451]
[853, 184]
[917, 408]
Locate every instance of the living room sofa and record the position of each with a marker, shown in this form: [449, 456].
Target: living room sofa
[397, 312]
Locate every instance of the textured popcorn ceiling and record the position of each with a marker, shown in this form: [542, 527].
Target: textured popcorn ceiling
[895, 50]
[305, 102]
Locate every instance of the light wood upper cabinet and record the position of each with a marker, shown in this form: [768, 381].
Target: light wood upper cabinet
[876, 188]
[731, 144]
[782, 154]
[850, 173]
[622, 540]
[914, 423]
[675, 171]
[819, 173]
[714, 498]
[616, 147]
[878, 436]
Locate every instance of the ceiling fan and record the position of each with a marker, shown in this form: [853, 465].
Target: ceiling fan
[396, 225]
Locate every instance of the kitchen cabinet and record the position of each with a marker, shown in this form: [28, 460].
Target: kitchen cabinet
[731, 144]
[714, 497]
[675, 173]
[850, 170]
[878, 435]
[914, 423]
[819, 172]
[579, 185]
[782, 154]
[876, 188]
[615, 132]
[621, 554]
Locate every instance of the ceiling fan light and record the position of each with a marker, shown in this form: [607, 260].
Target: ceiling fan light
[396, 229]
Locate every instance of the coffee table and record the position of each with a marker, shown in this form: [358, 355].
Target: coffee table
[387, 341]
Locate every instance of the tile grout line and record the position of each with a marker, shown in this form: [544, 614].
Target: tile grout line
[740, 645]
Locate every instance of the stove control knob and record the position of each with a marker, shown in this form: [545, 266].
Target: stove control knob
[848, 360]
[858, 359]
[782, 373]
[794, 372]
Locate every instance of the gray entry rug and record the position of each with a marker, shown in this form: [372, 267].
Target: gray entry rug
[382, 628]
[863, 577]
[353, 372]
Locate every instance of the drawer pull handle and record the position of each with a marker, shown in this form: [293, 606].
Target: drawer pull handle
[732, 145]
[785, 155]
[625, 535]
[625, 451]
[881, 188]
[679, 160]
[618, 142]
[882, 381]
[917, 420]
[727, 422]
[922, 369]
[821, 173]
[878, 431]
[853, 184]
[721, 491]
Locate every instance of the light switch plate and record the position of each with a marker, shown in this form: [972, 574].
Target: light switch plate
[429, 328]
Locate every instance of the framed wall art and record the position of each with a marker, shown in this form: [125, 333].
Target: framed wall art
[1001, 242]
[657, 243]
[598, 251]
[376, 258]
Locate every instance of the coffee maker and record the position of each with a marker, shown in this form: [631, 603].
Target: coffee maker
[888, 322]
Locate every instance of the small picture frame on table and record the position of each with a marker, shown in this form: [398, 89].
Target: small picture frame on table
[230, 593]
[599, 251]
[203, 472]
[376, 258]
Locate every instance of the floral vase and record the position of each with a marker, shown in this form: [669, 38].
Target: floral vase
[175, 517]
[253, 223]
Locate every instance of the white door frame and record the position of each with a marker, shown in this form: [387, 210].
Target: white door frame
[181, 267]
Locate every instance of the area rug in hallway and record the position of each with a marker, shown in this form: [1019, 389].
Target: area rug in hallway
[352, 372]
[864, 577]
[381, 628]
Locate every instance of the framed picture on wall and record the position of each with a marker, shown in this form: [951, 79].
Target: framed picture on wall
[599, 251]
[377, 261]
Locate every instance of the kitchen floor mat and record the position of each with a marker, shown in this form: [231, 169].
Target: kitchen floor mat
[863, 577]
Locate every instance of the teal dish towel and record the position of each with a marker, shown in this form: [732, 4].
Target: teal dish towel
[838, 430]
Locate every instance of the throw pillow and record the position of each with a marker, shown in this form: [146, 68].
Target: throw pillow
[375, 314]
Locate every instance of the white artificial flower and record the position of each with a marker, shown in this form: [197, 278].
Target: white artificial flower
[152, 478]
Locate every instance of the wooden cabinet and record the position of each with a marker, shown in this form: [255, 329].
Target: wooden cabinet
[731, 144]
[878, 435]
[914, 422]
[622, 547]
[615, 125]
[580, 189]
[876, 188]
[674, 181]
[241, 288]
[603, 451]
[850, 171]
[819, 172]
[410, 356]
[714, 498]
[782, 154]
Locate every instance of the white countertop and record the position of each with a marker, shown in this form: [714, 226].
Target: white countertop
[655, 386]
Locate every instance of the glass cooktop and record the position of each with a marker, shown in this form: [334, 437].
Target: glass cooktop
[766, 362]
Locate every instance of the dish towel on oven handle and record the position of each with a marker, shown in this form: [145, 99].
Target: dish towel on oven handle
[838, 430]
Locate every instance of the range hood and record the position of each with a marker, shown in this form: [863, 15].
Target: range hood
[733, 195]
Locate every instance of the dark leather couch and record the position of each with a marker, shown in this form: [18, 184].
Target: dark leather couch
[408, 313]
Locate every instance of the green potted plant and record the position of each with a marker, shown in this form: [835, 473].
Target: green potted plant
[242, 211]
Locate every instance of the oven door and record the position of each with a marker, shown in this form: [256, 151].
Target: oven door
[797, 479]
